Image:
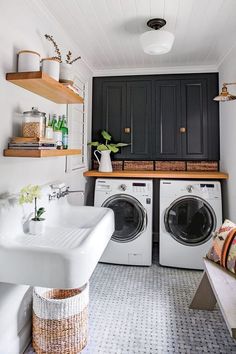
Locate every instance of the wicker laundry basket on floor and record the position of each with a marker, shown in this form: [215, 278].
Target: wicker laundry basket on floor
[60, 320]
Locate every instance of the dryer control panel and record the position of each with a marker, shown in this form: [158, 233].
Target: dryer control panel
[178, 188]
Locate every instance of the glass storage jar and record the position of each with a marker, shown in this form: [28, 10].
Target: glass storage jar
[33, 124]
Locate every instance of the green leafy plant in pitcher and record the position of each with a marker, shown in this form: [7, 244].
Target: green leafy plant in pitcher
[105, 148]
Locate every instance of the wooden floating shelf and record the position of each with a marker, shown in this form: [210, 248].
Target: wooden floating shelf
[40, 153]
[159, 174]
[43, 85]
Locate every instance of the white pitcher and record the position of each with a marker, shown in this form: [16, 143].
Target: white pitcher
[105, 160]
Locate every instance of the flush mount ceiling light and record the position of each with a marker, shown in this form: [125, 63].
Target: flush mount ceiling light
[224, 94]
[156, 42]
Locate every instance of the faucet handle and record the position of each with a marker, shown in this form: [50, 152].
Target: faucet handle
[52, 196]
[57, 185]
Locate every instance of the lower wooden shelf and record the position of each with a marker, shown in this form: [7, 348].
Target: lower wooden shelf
[40, 153]
[159, 174]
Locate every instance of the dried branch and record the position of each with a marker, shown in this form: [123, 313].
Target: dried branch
[57, 50]
[72, 61]
[68, 57]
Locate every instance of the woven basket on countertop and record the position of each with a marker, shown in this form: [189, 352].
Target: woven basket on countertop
[170, 165]
[202, 166]
[60, 320]
[138, 166]
[116, 165]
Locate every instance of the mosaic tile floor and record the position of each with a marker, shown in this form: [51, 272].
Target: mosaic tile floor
[142, 310]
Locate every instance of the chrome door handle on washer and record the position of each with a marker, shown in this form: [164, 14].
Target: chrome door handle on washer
[144, 221]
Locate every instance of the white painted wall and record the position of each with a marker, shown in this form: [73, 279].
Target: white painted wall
[23, 24]
[227, 73]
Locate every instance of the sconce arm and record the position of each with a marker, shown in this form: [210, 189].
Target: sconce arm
[229, 83]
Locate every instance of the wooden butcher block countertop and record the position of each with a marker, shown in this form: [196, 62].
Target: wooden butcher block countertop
[159, 174]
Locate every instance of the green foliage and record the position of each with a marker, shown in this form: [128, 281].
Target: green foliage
[94, 143]
[106, 135]
[107, 145]
[113, 147]
[102, 147]
[39, 213]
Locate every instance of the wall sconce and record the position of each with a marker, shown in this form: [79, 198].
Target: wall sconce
[224, 94]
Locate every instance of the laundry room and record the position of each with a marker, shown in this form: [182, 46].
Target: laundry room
[118, 177]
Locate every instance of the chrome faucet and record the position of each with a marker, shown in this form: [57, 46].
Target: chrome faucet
[67, 191]
[61, 191]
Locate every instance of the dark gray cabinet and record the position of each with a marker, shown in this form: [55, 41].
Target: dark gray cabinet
[194, 125]
[138, 120]
[124, 109]
[163, 117]
[167, 119]
[109, 99]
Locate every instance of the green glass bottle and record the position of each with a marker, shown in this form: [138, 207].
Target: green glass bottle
[64, 130]
[59, 122]
[54, 121]
[49, 122]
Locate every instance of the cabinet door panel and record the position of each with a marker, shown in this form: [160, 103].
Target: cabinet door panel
[167, 120]
[194, 118]
[114, 112]
[139, 119]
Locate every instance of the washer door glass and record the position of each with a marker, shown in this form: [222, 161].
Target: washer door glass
[190, 220]
[130, 217]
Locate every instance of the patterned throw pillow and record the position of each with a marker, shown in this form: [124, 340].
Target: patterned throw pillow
[231, 259]
[223, 250]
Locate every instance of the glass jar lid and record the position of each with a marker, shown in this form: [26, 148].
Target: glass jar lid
[34, 113]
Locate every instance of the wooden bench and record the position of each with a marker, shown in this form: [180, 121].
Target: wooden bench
[217, 285]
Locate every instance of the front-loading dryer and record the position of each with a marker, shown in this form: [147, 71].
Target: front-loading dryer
[190, 211]
[131, 201]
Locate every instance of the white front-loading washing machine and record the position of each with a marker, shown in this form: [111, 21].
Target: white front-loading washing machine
[131, 201]
[190, 211]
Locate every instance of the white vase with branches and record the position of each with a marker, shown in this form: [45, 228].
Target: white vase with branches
[66, 70]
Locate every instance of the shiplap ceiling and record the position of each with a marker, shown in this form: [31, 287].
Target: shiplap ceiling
[107, 31]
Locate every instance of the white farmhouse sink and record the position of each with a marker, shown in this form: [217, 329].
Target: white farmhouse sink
[65, 255]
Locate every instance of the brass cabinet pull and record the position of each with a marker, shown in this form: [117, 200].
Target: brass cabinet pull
[182, 130]
[127, 130]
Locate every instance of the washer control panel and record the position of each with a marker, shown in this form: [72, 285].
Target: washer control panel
[139, 187]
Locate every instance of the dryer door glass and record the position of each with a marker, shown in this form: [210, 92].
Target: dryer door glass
[130, 217]
[190, 220]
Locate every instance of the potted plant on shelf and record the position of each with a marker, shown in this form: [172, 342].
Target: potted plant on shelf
[66, 73]
[30, 194]
[105, 148]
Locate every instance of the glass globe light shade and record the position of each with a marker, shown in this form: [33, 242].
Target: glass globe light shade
[157, 42]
